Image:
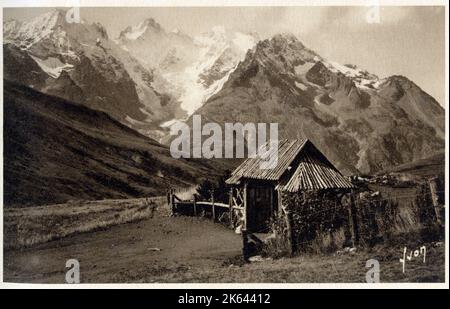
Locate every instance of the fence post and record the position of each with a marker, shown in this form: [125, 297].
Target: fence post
[245, 252]
[172, 202]
[432, 183]
[230, 205]
[290, 240]
[195, 205]
[213, 207]
[354, 219]
[245, 212]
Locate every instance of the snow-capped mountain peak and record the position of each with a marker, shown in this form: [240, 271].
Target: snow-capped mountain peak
[286, 49]
[193, 68]
[283, 81]
[218, 53]
[10, 27]
[38, 28]
[78, 61]
[137, 31]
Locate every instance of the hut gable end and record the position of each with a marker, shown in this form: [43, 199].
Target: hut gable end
[314, 172]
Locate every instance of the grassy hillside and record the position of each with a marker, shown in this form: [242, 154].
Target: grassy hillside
[431, 166]
[55, 151]
[29, 226]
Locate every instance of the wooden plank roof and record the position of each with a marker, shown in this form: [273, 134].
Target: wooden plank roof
[250, 168]
[312, 172]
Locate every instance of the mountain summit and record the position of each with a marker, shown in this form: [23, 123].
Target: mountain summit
[139, 30]
[361, 122]
[149, 78]
[193, 67]
[97, 72]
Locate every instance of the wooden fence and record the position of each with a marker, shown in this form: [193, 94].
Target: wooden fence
[218, 212]
[365, 218]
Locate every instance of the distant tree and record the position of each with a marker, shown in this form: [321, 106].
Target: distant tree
[221, 189]
[204, 190]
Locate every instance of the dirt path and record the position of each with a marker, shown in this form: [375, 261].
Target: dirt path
[198, 250]
[127, 251]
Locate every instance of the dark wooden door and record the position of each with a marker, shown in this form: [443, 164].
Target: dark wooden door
[259, 208]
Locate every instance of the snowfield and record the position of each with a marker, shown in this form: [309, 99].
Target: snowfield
[52, 66]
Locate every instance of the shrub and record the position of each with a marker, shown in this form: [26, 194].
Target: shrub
[375, 217]
[278, 245]
[219, 186]
[316, 215]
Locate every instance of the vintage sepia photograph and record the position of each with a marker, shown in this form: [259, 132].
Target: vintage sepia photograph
[291, 144]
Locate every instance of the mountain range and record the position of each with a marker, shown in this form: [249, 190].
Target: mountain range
[149, 78]
[144, 78]
[361, 122]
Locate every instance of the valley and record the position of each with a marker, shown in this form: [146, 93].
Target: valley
[56, 150]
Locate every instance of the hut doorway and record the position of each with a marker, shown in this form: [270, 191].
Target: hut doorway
[260, 208]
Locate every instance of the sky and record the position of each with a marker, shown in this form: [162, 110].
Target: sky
[407, 41]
